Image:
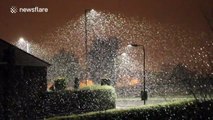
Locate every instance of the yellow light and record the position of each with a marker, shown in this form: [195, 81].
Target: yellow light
[85, 83]
[134, 82]
[21, 39]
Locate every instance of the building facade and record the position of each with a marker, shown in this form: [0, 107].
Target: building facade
[22, 83]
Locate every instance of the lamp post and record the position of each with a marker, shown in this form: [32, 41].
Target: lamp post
[92, 12]
[22, 41]
[86, 39]
[144, 95]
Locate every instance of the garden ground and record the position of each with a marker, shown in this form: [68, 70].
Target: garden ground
[126, 103]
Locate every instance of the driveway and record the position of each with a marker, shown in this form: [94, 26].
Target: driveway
[125, 103]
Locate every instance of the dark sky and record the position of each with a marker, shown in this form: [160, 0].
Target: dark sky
[33, 25]
[186, 14]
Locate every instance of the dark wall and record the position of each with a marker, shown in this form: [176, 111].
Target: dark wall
[21, 89]
[2, 92]
[22, 82]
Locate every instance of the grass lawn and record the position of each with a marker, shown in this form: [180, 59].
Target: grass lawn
[179, 109]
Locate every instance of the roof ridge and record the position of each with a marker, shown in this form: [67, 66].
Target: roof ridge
[1, 40]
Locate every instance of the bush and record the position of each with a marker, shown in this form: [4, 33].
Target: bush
[179, 110]
[105, 82]
[87, 99]
[60, 84]
[76, 83]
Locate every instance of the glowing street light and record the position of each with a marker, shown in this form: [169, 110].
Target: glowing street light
[21, 39]
[22, 42]
[144, 95]
[92, 12]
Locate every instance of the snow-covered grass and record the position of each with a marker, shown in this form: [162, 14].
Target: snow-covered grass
[185, 109]
[98, 87]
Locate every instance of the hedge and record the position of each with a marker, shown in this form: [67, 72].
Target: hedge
[174, 111]
[87, 99]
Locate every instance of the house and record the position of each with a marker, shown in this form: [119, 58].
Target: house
[22, 82]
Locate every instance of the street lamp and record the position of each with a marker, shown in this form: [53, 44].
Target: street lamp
[144, 95]
[22, 42]
[86, 39]
[86, 49]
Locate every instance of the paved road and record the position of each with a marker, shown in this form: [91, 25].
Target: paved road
[136, 102]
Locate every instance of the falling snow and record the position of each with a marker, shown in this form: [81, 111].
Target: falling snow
[166, 45]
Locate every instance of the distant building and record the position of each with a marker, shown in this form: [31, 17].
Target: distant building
[22, 82]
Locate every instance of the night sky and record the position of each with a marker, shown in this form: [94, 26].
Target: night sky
[179, 31]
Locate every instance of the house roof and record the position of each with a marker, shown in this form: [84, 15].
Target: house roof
[21, 57]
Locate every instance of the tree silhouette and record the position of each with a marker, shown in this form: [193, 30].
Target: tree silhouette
[101, 59]
[64, 64]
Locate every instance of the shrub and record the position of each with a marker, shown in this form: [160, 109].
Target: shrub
[60, 84]
[105, 82]
[76, 83]
[87, 99]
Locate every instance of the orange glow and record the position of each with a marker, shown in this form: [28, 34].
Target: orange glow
[127, 82]
[49, 85]
[85, 83]
[134, 82]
